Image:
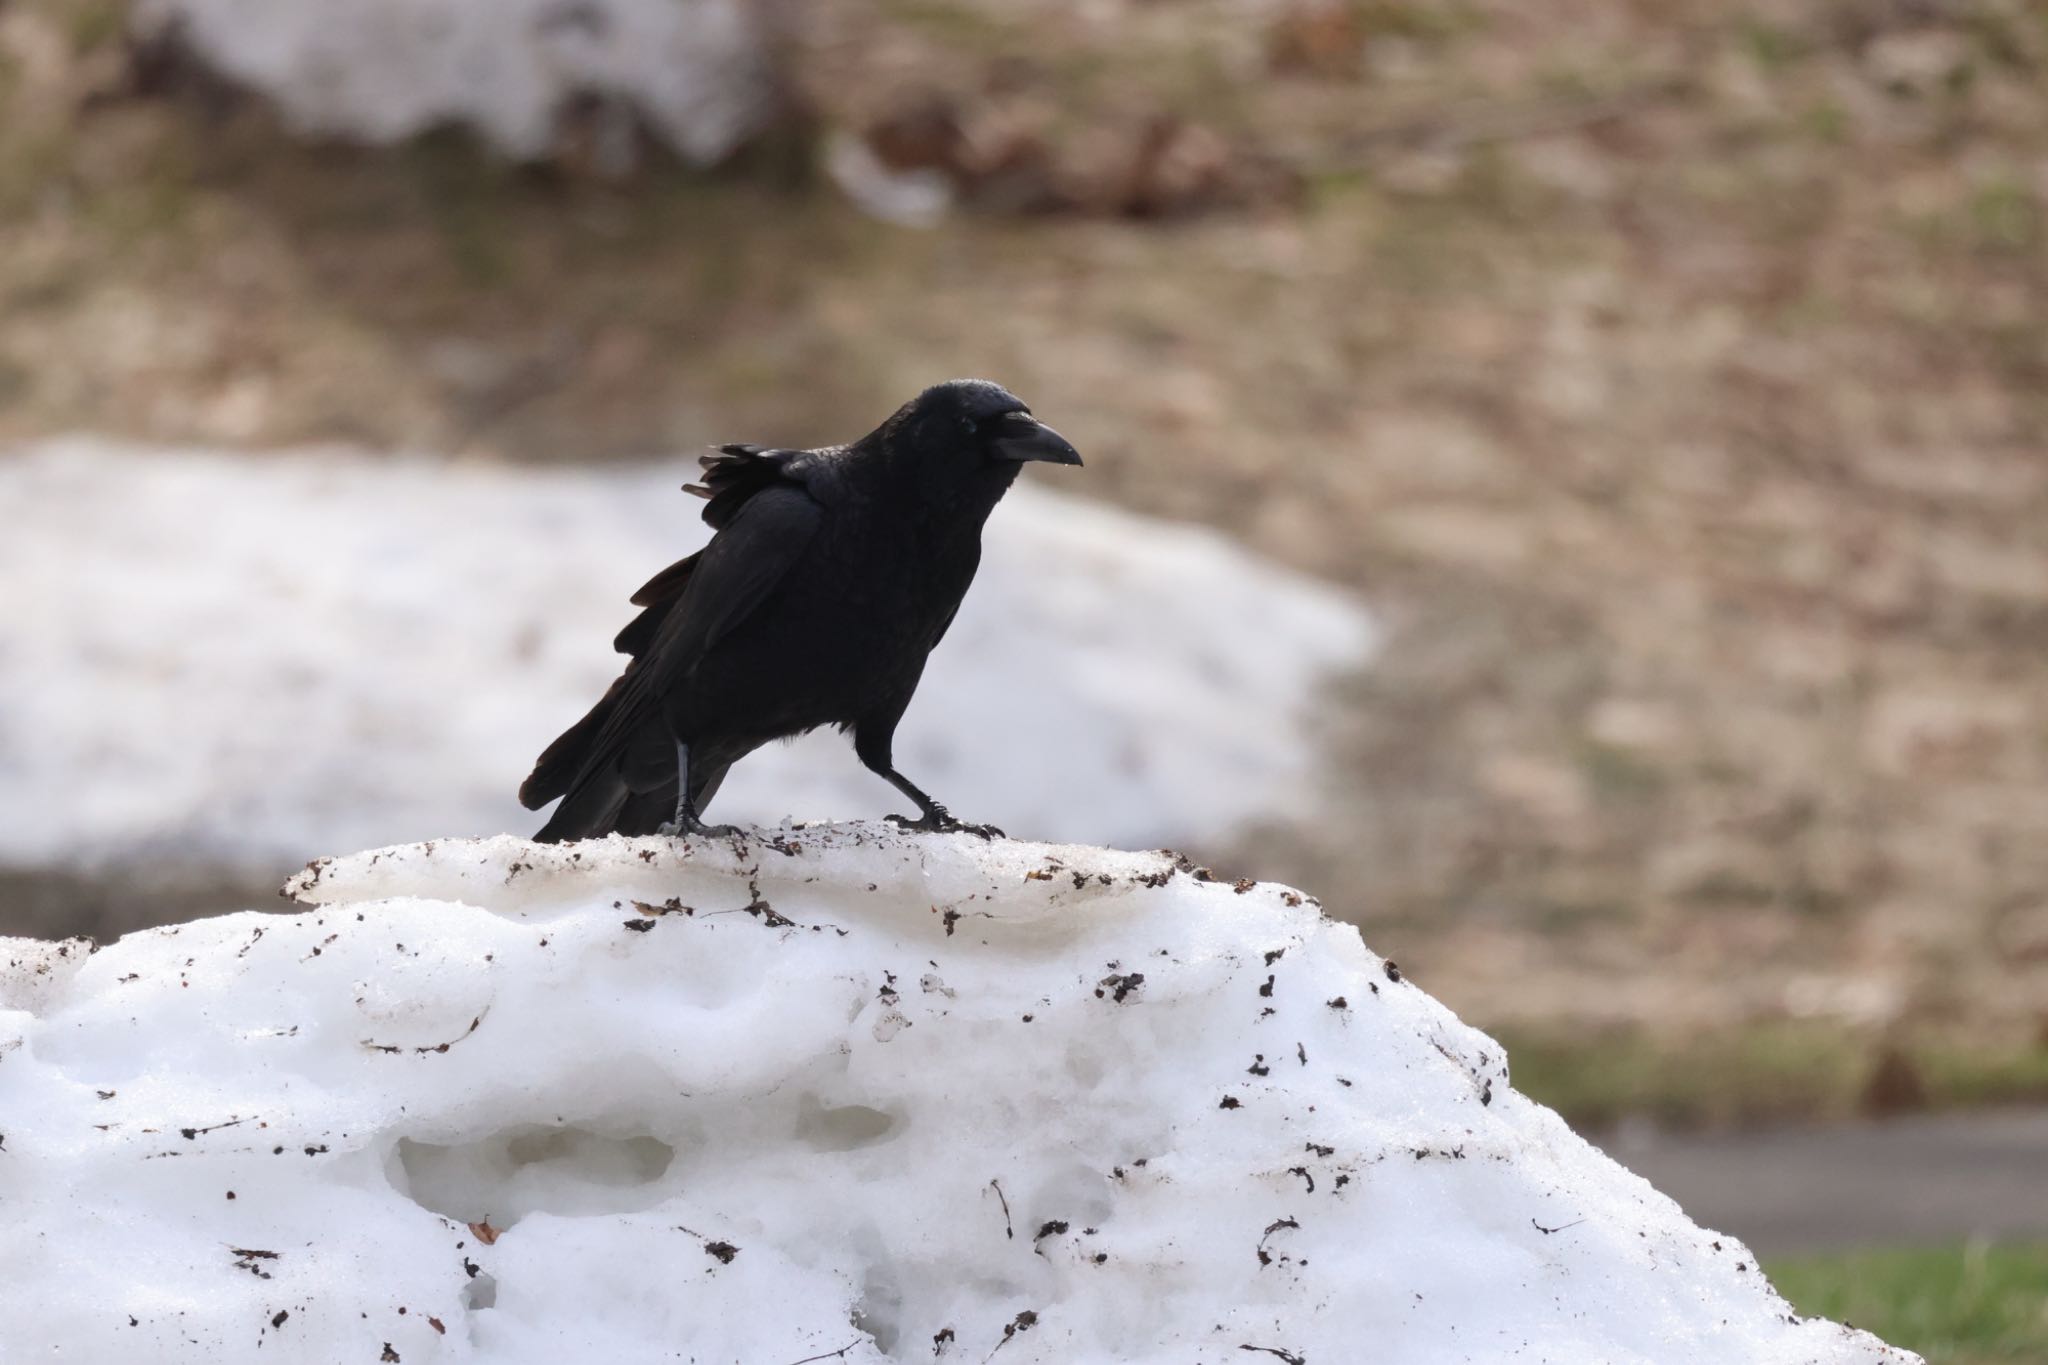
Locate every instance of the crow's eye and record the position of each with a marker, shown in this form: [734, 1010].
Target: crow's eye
[967, 424]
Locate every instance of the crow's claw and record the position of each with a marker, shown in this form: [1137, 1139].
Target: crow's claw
[671, 829]
[939, 820]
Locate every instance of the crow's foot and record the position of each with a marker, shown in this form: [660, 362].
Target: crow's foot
[672, 829]
[938, 820]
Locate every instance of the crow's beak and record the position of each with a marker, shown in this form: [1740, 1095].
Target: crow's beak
[1027, 438]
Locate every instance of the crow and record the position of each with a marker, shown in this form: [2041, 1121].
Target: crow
[831, 576]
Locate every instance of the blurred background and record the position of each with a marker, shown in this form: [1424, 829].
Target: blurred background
[1566, 482]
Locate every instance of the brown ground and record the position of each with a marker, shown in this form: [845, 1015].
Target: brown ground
[1675, 380]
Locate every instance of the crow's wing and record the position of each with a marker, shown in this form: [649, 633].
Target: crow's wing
[732, 575]
[734, 474]
[656, 596]
[688, 608]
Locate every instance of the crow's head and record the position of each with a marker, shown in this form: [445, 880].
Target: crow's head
[972, 431]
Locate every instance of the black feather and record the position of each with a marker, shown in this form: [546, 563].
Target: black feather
[832, 575]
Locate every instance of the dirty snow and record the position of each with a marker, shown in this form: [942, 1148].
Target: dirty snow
[243, 661]
[849, 1094]
[697, 71]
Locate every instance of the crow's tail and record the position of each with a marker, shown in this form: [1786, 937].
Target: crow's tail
[614, 770]
[592, 808]
[568, 760]
[610, 802]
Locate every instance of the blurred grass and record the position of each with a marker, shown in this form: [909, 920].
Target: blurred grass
[1782, 1071]
[1970, 1305]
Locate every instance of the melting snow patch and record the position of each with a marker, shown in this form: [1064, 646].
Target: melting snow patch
[217, 659]
[825, 1093]
[697, 71]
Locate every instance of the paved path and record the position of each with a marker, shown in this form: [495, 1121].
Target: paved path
[1914, 1181]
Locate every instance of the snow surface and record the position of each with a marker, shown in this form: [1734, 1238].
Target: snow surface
[380, 70]
[213, 659]
[831, 1093]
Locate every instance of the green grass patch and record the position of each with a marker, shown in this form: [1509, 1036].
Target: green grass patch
[1970, 1305]
[1782, 1071]
[1958, 1076]
[2006, 217]
[91, 24]
[1769, 46]
[1422, 23]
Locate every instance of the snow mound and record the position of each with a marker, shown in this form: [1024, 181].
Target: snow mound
[265, 657]
[828, 1093]
[697, 71]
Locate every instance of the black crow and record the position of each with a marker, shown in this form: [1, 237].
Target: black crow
[831, 576]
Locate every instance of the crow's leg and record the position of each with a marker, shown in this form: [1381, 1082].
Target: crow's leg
[935, 816]
[931, 815]
[686, 821]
